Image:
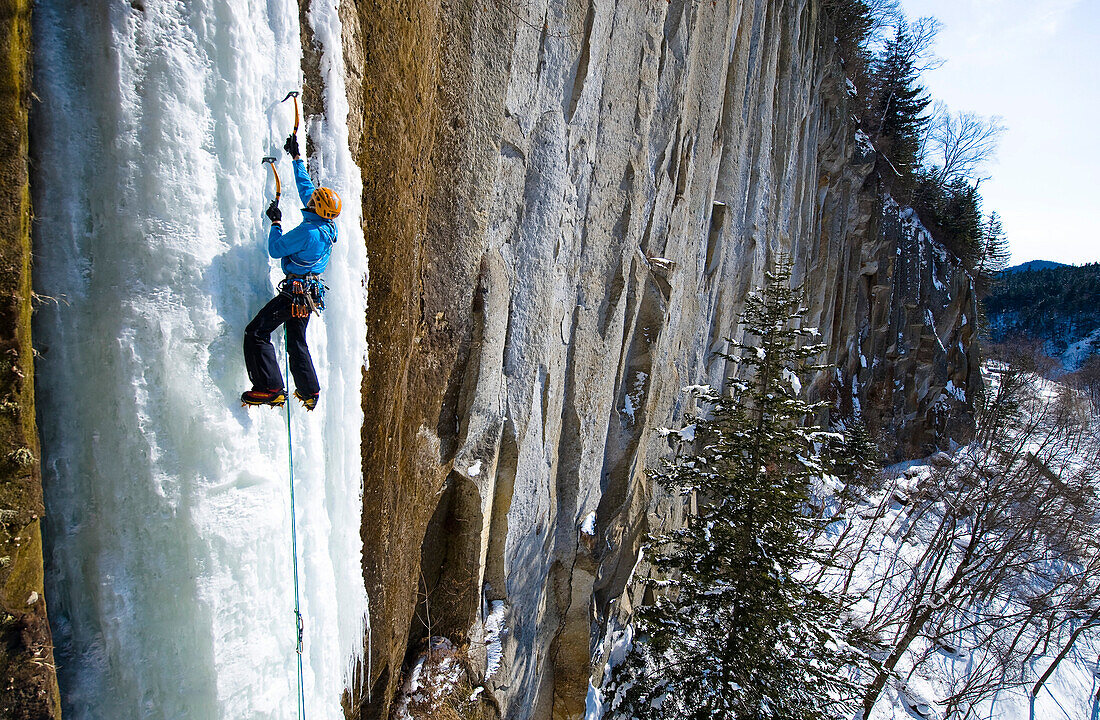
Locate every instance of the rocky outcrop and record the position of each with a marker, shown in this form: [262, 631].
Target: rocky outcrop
[28, 682]
[911, 355]
[565, 206]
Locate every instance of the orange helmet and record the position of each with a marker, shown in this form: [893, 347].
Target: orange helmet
[325, 202]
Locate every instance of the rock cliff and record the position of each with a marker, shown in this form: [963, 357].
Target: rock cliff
[565, 204]
[28, 682]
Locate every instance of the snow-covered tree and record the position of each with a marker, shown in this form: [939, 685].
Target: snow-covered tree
[855, 457]
[734, 629]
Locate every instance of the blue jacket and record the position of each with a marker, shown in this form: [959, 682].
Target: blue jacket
[306, 248]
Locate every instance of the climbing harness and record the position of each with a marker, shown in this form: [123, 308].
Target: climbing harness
[298, 624]
[306, 293]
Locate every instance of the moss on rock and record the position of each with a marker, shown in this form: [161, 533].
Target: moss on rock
[27, 675]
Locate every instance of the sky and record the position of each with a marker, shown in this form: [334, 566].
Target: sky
[1036, 63]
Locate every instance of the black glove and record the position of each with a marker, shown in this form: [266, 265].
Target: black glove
[291, 146]
[274, 213]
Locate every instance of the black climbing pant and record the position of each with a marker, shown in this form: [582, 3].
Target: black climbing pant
[259, 354]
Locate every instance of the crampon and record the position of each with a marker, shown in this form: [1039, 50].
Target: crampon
[274, 398]
[309, 401]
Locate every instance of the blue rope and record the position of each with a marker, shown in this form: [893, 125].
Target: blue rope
[299, 626]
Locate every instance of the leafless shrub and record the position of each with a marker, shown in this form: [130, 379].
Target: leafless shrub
[1086, 381]
[991, 554]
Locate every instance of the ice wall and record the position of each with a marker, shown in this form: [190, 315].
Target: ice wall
[168, 550]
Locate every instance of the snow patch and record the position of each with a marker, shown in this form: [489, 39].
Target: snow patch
[634, 395]
[866, 147]
[588, 527]
[435, 676]
[593, 703]
[686, 433]
[1078, 352]
[494, 634]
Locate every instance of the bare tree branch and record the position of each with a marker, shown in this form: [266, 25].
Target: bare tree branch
[957, 145]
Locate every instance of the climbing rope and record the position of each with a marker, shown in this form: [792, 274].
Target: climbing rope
[299, 627]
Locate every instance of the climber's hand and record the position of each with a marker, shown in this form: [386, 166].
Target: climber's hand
[274, 213]
[291, 146]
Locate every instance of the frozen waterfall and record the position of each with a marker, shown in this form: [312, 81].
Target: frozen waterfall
[168, 525]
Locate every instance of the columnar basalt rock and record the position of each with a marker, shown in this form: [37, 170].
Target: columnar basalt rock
[566, 204]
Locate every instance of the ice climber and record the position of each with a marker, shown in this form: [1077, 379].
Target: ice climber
[305, 252]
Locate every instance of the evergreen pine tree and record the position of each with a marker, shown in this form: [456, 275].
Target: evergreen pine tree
[851, 23]
[855, 457]
[896, 117]
[734, 632]
[994, 254]
[962, 222]
[953, 214]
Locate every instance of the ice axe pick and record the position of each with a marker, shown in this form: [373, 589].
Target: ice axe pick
[278, 187]
[293, 94]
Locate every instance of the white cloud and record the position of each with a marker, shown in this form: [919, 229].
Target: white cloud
[987, 27]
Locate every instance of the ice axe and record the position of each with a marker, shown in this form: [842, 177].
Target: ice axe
[293, 94]
[269, 160]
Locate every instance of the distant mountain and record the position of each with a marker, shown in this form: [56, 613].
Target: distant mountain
[1056, 304]
[1035, 265]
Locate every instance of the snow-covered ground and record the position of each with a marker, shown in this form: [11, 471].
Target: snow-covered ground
[890, 536]
[894, 540]
[168, 525]
[1078, 352]
[442, 682]
[928, 672]
[1067, 343]
[434, 679]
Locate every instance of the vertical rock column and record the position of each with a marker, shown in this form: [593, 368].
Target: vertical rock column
[393, 50]
[28, 683]
[425, 82]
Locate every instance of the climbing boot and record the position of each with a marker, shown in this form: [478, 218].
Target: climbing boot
[274, 398]
[310, 401]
